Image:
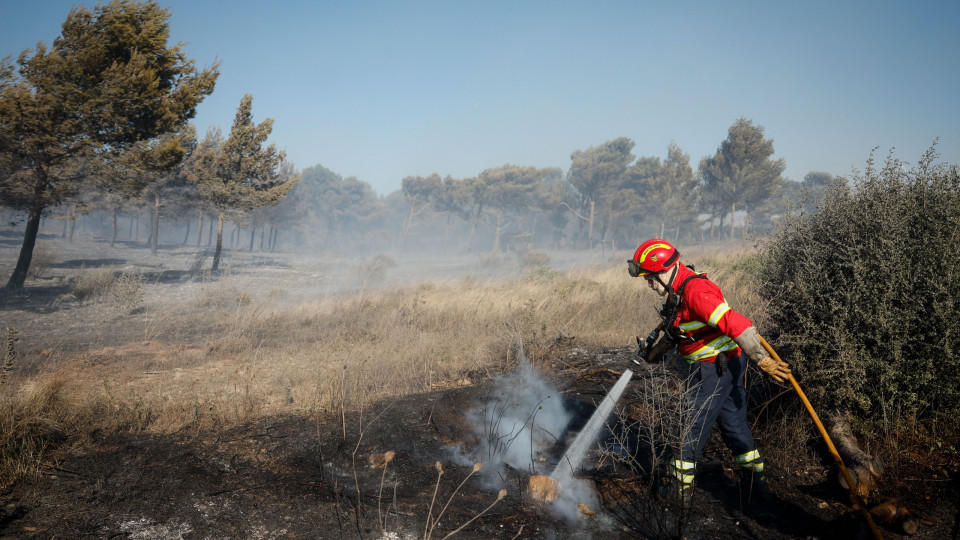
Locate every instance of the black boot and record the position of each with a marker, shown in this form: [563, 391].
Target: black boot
[753, 485]
[674, 492]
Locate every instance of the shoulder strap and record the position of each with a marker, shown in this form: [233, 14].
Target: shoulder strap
[684, 284]
[672, 306]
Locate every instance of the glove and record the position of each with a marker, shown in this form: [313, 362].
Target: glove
[651, 355]
[778, 369]
[655, 355]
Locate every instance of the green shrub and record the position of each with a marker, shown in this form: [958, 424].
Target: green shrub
[534, 258]
[91, 284]
[864, 292]
[375, 270]
[125, 290]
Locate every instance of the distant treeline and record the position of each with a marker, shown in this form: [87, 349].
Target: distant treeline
[608, 197]
[98, 125]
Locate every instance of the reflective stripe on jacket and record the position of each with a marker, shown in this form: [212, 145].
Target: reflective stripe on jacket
[707, 319]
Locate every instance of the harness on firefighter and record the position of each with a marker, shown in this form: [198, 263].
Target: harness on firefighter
[672, 332]
[668, 313]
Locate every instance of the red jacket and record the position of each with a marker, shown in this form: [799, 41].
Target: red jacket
[706, 318]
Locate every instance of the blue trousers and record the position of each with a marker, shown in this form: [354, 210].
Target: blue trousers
[721, 400]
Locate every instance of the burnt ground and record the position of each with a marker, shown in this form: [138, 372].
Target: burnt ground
[304, 476]
[320, 477]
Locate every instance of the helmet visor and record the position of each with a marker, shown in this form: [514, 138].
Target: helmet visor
[635, 270]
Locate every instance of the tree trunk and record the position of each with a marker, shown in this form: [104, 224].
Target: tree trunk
[186, 236]
[216, 254]
[733, 220]
[155, 224]
[113, 240]
[253, 235]
[19, 275]
[473, 229]
[533, 232]
[864, 469]
[210, 234]
[446, 230]
[406, 228]
[199, 227]
[73, 226]
[590, 234]
[496, 234]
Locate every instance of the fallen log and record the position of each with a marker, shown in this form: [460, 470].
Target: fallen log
[893, 511]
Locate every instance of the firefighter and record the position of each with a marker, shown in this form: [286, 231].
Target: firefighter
[714, 340]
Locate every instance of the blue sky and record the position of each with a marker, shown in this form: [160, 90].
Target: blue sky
[384, 90]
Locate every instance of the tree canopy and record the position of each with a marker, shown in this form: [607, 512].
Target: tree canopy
[742, 170]
[109, 81]
[241, 174]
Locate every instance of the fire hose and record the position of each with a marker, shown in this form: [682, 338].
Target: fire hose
[833, 449]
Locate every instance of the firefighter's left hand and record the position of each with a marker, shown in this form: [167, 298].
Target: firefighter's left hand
[778, 369]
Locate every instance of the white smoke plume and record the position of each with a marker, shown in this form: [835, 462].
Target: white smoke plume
[519, 425]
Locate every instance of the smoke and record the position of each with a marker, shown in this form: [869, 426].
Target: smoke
[519, 425]
[571, 493]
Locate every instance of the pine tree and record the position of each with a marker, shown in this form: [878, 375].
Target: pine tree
[109, 81]
[741, 171]
[240, 175]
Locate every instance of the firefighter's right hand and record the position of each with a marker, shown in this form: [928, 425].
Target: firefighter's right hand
[778, 369]
[654, 354]
[657, 351]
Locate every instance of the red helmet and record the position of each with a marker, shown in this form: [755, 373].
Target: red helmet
[654, 255]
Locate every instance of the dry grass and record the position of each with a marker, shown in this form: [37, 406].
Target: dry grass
[43, 258]
[227, 354]
[122, 289]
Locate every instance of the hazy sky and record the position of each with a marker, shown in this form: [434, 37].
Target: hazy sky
[384, 90]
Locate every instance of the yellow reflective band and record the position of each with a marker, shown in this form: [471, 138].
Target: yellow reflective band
[692, 325]
[717, 313]
[643, 256]
[748, 456]
[721, 344]
[684, 465]
[685, 478]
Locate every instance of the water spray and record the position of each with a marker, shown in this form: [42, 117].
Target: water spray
[549, 488]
